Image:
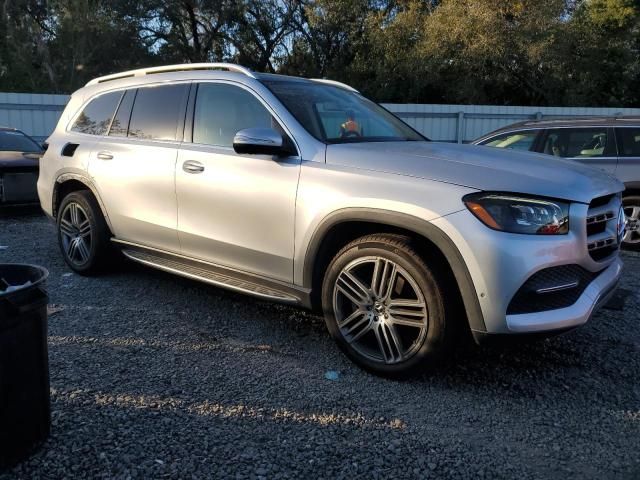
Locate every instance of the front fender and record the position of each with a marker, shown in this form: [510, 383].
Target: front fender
[408, 222]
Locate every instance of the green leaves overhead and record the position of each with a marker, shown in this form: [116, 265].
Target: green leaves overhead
[526, 52]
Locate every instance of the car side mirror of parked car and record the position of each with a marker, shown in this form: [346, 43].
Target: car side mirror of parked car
[262, 141]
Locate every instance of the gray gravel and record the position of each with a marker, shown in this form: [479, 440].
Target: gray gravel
[157, 376]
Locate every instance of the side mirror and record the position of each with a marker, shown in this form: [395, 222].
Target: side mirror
[260, 141]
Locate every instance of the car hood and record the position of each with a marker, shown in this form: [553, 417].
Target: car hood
[18, 160]
[481, 168]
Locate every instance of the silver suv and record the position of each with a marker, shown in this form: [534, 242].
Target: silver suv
[609, 143]
[305, 192]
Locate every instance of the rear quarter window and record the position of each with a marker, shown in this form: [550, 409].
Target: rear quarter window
[96, 116]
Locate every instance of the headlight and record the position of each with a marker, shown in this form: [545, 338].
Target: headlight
[515, 214]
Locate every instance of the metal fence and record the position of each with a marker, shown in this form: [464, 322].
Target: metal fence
[37, 114]
[464, 123]
[34, 113]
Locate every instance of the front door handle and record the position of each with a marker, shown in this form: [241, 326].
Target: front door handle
[193, 166]
[105, 155]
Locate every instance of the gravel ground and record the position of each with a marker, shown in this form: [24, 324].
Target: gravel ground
[157, 376]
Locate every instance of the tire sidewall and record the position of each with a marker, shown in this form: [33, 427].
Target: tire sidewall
[433, 342]
[80, 199]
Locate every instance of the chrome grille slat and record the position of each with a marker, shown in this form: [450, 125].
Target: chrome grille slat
[599, 218]
[598, 244]
[601, 225]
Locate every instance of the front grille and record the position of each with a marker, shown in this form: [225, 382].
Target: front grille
[602, 227]
[551, 288]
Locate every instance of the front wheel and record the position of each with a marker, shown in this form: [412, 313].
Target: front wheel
[384, 306]
[631, 239]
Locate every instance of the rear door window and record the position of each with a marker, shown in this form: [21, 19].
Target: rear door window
[579, 142]
[513, 140]
[628, 141]
[96, 117]
[157, 110]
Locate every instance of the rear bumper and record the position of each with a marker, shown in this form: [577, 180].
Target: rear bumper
[18, 187]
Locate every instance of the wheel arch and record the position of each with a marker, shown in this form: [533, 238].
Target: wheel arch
[72, 182]
[343, 226]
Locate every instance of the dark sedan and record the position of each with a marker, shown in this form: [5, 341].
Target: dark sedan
[19, 164]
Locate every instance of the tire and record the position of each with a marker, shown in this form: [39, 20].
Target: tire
[380, 335]
[631, 240]
[83, 234]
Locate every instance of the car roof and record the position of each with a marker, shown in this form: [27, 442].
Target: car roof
[194, 71]
[568, 122]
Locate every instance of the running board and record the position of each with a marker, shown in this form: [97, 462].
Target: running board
[214, 274]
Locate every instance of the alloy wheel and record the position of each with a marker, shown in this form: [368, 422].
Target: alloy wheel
[75, 231]
[380, 310]
[632, 234]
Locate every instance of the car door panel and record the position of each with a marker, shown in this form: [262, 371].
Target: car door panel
[238, 211]
[234, 210]
[134, 167]
[137, 187]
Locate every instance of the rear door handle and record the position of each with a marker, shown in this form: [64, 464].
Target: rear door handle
[193, 166]
[105, 156]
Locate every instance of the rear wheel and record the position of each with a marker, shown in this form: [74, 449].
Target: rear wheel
[83, 234]
[384, 306]
[631, 239]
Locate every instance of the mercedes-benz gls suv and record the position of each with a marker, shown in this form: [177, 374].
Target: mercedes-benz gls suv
[303, 191]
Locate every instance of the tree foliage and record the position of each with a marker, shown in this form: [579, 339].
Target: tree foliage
[527, 52]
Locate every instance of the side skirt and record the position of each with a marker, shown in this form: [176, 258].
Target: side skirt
[215, 274]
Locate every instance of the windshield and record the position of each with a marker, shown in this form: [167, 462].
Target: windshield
[335, 115]
[14, 141]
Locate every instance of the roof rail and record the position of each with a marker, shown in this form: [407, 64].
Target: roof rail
[335, 84]
[173, 68]
[568, 118]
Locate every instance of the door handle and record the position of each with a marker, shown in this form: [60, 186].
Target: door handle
[105, 156]
[193, 166]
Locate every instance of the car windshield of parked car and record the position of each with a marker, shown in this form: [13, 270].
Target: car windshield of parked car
[335, 115]
[14, 141]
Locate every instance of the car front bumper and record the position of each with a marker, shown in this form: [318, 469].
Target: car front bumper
[501, 263]
[595, 295]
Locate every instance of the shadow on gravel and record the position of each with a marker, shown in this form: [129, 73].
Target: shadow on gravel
[562, 356]
[20, 211]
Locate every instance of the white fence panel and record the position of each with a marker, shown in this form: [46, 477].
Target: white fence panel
[37, 114]
[464, 123]
[34, 113]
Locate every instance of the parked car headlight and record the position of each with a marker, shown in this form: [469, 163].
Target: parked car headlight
[516, 214]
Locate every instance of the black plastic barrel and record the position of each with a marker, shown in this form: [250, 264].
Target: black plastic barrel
[25, 413]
